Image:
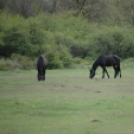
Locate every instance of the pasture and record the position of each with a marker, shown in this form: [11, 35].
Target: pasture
[68, 102]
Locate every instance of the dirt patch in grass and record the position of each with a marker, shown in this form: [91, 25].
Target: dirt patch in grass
[95, 121]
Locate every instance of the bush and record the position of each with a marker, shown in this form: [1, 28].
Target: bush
[3, 66]
[25, 63]
[8, 64]
[77, 60]
[58, 59]
[113, 41]
[65, 35]
[53, 60]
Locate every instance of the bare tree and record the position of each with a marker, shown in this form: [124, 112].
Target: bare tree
[128, 10]
[80, 4]
[39, 5]
[3, 3]
[97, 10]
[50, 6]
[23, 7]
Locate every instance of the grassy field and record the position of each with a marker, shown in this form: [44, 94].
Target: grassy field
[68, 102]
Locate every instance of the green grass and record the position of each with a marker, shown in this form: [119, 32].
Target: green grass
[68, 102]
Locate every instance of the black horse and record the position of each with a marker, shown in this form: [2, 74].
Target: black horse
[41, 67]
[104, 61]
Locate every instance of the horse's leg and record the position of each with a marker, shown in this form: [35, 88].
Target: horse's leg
[115, 72]
[103, 73]
[120, 71]
[39, 75]
[43, 76]
[44, 72]
[106, 71]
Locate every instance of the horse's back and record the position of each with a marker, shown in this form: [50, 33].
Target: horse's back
[42, 61]
[111, 60]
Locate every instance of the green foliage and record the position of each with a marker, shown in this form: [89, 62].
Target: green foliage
[25, 37]
[26, 63]
[58, 59]
[8, 64]
[113, 41]
[3, 65]
[17, 62]
[54, 61]
[63, 36]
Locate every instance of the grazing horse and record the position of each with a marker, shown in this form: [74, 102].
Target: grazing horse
[41, 67]
[104, 61]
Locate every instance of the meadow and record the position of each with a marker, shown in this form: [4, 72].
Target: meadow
[68, 102]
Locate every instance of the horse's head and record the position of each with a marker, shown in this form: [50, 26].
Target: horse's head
[92, 73]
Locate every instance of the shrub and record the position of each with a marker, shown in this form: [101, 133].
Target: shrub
[8, 64]
[59, 59]
[3, 66]
[113, 41]
[26, 63]
[53, 60]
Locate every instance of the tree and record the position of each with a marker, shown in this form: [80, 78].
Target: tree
[3, 4]
[50, 6]
[128, 10]
[97, 10]
[80, 4]
[28, 8]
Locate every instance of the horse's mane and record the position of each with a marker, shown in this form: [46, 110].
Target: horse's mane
[96, 63]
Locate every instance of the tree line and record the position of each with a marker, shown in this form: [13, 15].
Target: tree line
[66, 30]
[93, 10]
